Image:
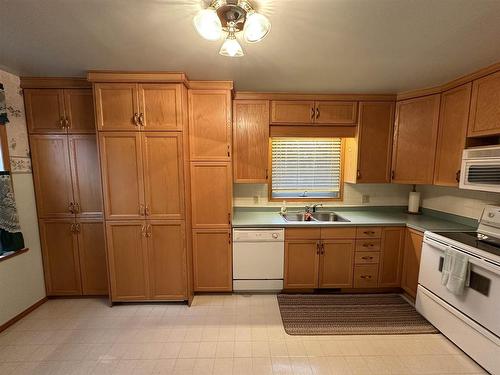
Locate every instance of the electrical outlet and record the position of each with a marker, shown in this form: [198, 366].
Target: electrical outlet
[255, 199]
[365, 198]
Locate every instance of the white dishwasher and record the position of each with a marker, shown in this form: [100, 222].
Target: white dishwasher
[258, 259]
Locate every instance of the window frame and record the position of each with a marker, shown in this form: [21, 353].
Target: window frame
[340, 198]
[4, 148]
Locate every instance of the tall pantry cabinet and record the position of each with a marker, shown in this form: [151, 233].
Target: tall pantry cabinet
[210, 144]
[143, 146]
[60, 119]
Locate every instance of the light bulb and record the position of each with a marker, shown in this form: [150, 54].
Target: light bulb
[256, 27]
[208, 24]
[231, 47]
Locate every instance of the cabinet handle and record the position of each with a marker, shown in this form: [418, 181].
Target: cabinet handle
[369, 232]
[317, 113]
[146, 210]
[322, 248]
[77, 227]
[141, 119]
[72, 228]
[61, 122]
[312, 113]
[229, 238]
[142, 210]
[136, 119]
[358, 174]
[229, 218]
[368, 245]
[366, 257]
[393, 175]
[71, 207]
[228, 150]
[366, 277]
[317, 248]
[267, 174]
[457, 177]
[67, 124]
[143, 230]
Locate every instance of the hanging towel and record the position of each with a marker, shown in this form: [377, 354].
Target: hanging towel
[456, 271]
[11, 238]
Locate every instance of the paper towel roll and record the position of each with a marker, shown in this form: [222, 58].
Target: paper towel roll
[414, 202]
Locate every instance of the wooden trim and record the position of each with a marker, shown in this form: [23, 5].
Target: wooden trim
[15, 253]
[210, 85]
[5, 148]
[22, 314]
[309, 131]
[139, 76]
[54, 82]
[450, 85]
[249, 95]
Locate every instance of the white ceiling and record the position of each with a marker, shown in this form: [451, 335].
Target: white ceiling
[358, 46]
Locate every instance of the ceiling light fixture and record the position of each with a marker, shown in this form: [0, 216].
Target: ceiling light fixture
[232, 17]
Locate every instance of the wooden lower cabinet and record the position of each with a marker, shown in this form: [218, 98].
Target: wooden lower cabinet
[301, 264]
[411, 261]
[391, 257]
[212, 260]
[60, 257]
[336, 263]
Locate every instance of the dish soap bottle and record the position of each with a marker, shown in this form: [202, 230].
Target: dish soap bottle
[283, 208]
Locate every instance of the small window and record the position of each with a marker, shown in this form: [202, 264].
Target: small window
[306, 168]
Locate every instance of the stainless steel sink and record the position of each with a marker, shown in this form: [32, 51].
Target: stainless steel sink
[315, 217]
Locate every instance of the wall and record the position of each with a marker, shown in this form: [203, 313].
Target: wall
[21, 277]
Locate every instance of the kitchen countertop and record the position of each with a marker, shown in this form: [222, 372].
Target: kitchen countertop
[384, 216]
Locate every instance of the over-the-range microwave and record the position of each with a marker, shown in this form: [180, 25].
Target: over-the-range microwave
[481, 169]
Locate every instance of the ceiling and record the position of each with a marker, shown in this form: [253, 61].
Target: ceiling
[343, 46]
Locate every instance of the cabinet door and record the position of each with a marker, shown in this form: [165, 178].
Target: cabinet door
[336, 264]
[160, 106]
[375, 142]
[79, 110]
[44, 110]
[167, 260]
[116, 106]
[251, 141]
[85, 175]
[415, 140]
[301, 264]
[92, 250]
[391, 257]
[52, 175]
[411, 261]
[210, 125]
[336, 113]
[291, 112]
[127, 260]
[212, 260]
[211, 195]
[453, 117]
[163, 175]
[484, 118]
[60, 257]
[122, 175]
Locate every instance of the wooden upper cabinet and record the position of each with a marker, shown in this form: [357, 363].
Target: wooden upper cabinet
[391, 257]
[163, 175]
[167, 260]
[116, 106]
[60, 257]
[415, 137]
[92, 253]
[484, 118]
[85, 175]
[453, 119]
[411, 261]
[301, 264]
[45, 110]
[160, 106]
[52, 175]
[368, 156]
[210, 125]
[251, 140]
[211, 194]
[127, 259]
[122, 174]
[292, 112]
[212, 260]
[79, 110]
[336, 113]
[336, 263]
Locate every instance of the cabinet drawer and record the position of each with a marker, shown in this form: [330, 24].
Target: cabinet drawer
[368, 232]
[302, 233]
[368, 245]
[366, 276]
[346, 232]
[366, 257]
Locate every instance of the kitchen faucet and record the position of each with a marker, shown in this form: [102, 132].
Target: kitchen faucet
[313, 207]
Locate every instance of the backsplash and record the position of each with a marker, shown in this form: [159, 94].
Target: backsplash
[255, 195]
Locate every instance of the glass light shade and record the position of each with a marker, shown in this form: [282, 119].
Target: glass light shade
[231, 47]
[256, 28]
[208, 24]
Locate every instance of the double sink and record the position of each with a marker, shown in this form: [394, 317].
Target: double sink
[314, 217]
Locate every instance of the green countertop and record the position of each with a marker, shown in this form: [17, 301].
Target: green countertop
[266, 217]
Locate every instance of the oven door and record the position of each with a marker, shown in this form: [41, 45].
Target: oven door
[480, 301]
[480, 174]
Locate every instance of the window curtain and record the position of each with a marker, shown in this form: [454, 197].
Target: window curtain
[11, 238]
[3, 107]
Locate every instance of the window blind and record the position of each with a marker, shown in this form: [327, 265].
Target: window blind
[306, 168]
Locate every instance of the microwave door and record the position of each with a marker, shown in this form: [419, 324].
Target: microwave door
[481, 175]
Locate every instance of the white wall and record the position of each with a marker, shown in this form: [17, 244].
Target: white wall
[21, 277]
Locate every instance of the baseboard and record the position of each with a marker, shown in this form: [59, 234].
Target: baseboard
[21, 315]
